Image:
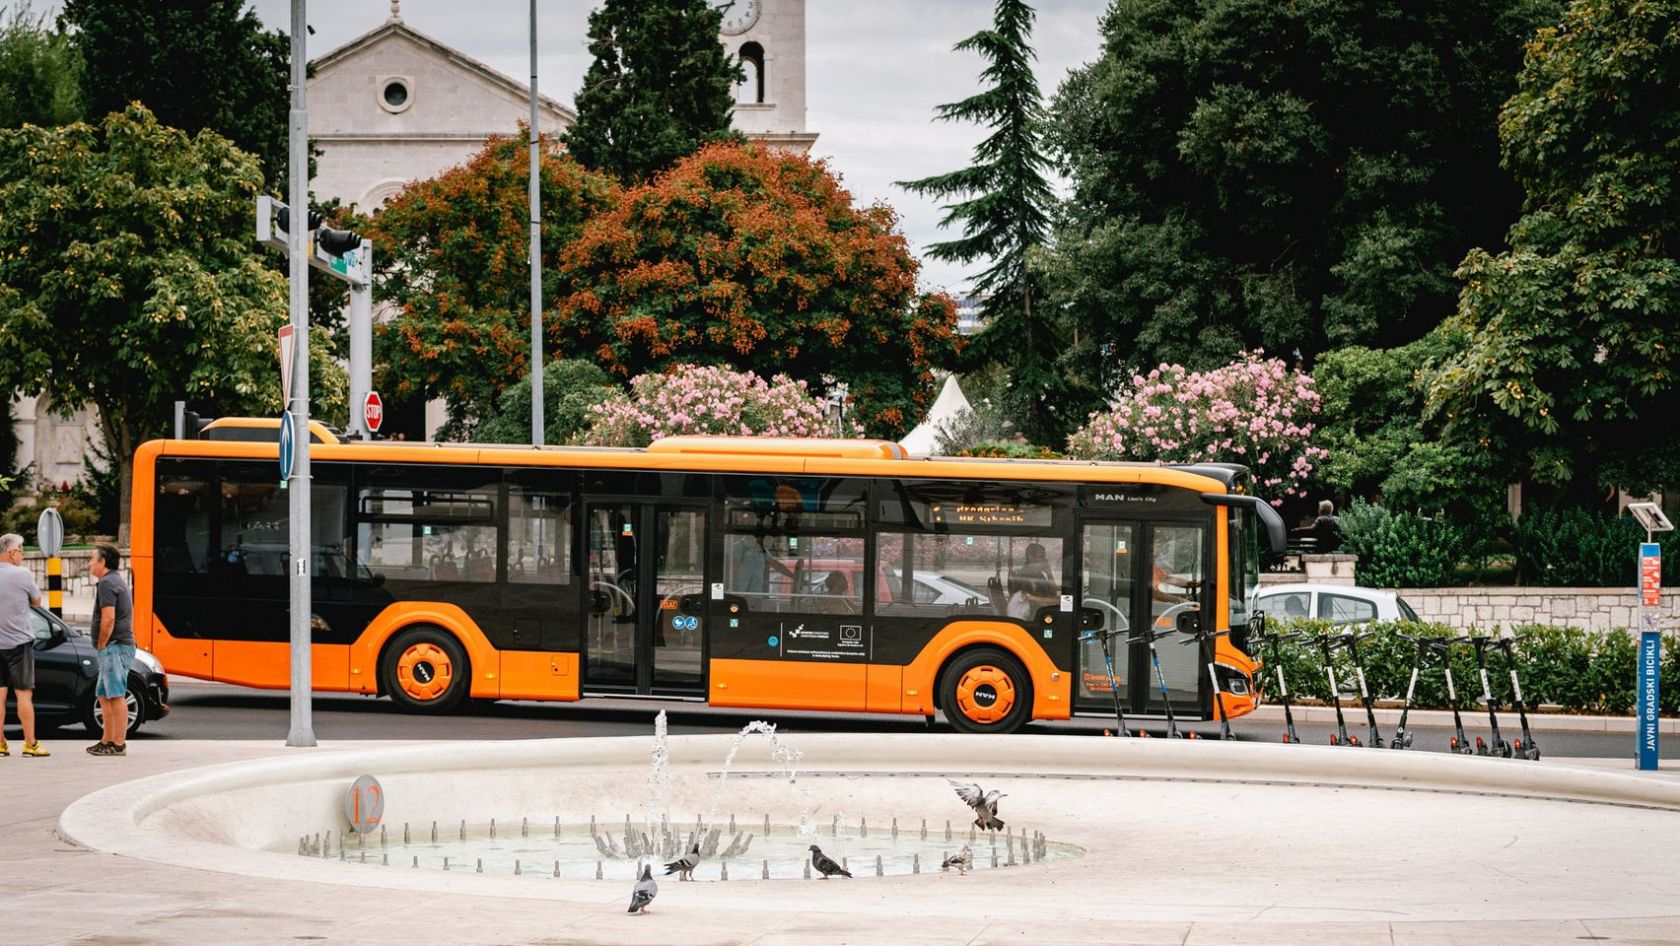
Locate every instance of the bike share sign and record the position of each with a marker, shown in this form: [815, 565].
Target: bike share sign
[1648, 692]
[1648, 696]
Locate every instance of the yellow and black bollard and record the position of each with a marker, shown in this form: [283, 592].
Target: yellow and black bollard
[55, 585]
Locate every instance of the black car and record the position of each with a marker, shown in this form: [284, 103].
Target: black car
[65, 673]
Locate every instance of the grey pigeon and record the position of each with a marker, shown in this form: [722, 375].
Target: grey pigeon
[962, 860]
[984, 805]
[646, 889]
[684, 866]
[825, 865]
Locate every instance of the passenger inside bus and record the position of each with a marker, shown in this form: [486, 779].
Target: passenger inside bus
[834, 599]
[1031, 586]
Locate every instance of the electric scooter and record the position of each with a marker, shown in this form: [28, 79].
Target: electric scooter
[1150, 637]
[1277, 641]
[1203, 639]
[1402, 737]
[1499, 747]
[1341, 737]
[1108, 660]
[1443, 647]
[1351, 642]
[1525, 746]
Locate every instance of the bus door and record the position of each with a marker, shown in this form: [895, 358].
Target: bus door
[644, 630]
[1139, 575]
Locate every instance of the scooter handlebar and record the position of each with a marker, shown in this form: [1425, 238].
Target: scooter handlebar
[1200, 636]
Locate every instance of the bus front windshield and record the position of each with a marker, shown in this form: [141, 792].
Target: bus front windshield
[1244, 527]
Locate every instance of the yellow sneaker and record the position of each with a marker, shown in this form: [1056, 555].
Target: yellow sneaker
[5, 749]
[34, 750]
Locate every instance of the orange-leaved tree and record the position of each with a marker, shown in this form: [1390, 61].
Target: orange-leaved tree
[453, 255]
[759, 260]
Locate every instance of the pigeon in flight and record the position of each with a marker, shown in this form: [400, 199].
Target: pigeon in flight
[684, 866]
[962, 860]
[646, 889]
[984, 805]
[825, 865]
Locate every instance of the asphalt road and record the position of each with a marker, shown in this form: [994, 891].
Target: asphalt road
[218, 711]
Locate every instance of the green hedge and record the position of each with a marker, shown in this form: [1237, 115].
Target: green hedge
[1580, 671]
[1401, 549]
[1579, 548]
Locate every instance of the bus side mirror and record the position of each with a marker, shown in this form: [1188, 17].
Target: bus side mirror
[1257, 622]
[1190, 622]
[1090, 619]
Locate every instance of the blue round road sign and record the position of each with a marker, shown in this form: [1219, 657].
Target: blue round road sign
[287, 422]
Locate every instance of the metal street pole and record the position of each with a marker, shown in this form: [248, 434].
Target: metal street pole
[536, 251]
[361, 346]
[302, 731]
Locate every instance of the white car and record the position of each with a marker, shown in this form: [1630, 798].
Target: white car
[939, 589]
[1338, 604]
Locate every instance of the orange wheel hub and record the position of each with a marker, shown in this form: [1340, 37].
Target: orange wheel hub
[985, 694]
[424, 671]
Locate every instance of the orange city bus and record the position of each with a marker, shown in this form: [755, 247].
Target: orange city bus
[830, 575]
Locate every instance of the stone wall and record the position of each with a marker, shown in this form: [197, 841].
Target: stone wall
[1597, 609]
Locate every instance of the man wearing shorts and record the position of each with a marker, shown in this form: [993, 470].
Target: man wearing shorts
[18, 593]
[113, 638]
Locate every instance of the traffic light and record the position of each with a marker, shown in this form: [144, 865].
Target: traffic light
[330, 250]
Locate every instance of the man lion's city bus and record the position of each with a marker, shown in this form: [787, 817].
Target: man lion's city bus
[828, 575]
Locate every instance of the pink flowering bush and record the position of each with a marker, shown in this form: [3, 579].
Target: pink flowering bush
[1254, 411]
[704, 399]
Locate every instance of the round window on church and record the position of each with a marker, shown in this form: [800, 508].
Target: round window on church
[395, 95]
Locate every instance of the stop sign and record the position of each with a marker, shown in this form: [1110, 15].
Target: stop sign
[373, 411]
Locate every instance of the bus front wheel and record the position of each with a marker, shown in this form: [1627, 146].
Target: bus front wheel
[986, 690]
[424, 670]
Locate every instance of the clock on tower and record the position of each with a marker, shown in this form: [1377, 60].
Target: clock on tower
[740, 16]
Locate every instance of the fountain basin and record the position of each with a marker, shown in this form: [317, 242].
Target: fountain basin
[1208, 817]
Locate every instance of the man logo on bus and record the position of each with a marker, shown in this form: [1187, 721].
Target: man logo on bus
[985, 695]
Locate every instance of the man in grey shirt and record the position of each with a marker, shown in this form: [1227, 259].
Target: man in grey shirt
[113, 639]
[18, 593]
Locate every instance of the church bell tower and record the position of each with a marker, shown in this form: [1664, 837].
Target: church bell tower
[768, 37]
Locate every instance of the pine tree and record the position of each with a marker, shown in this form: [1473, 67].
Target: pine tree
[1001, 200]
[661, 86]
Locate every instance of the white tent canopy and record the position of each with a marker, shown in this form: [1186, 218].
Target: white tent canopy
[950, 403]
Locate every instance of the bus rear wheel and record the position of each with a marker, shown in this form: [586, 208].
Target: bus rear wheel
[986, 691]
[424, 670]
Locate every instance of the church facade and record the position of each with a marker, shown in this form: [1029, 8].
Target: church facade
[395, 106]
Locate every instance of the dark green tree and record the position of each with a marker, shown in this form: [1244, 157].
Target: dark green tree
[1002, 202]
[1381, 448]
[38, 70]
[660, 87]
[1568, 373]
[1287, 176]
[195, 64]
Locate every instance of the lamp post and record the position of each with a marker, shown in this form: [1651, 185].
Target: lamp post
[536, 250]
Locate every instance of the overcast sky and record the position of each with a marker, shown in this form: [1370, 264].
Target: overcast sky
[876, 71]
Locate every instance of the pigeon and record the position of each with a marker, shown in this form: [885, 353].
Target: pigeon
[825, 865]
[983, 803]
[646, 889]
[684, 866]
[962, 860]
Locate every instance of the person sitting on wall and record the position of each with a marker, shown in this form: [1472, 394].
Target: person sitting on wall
[1327, 529]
